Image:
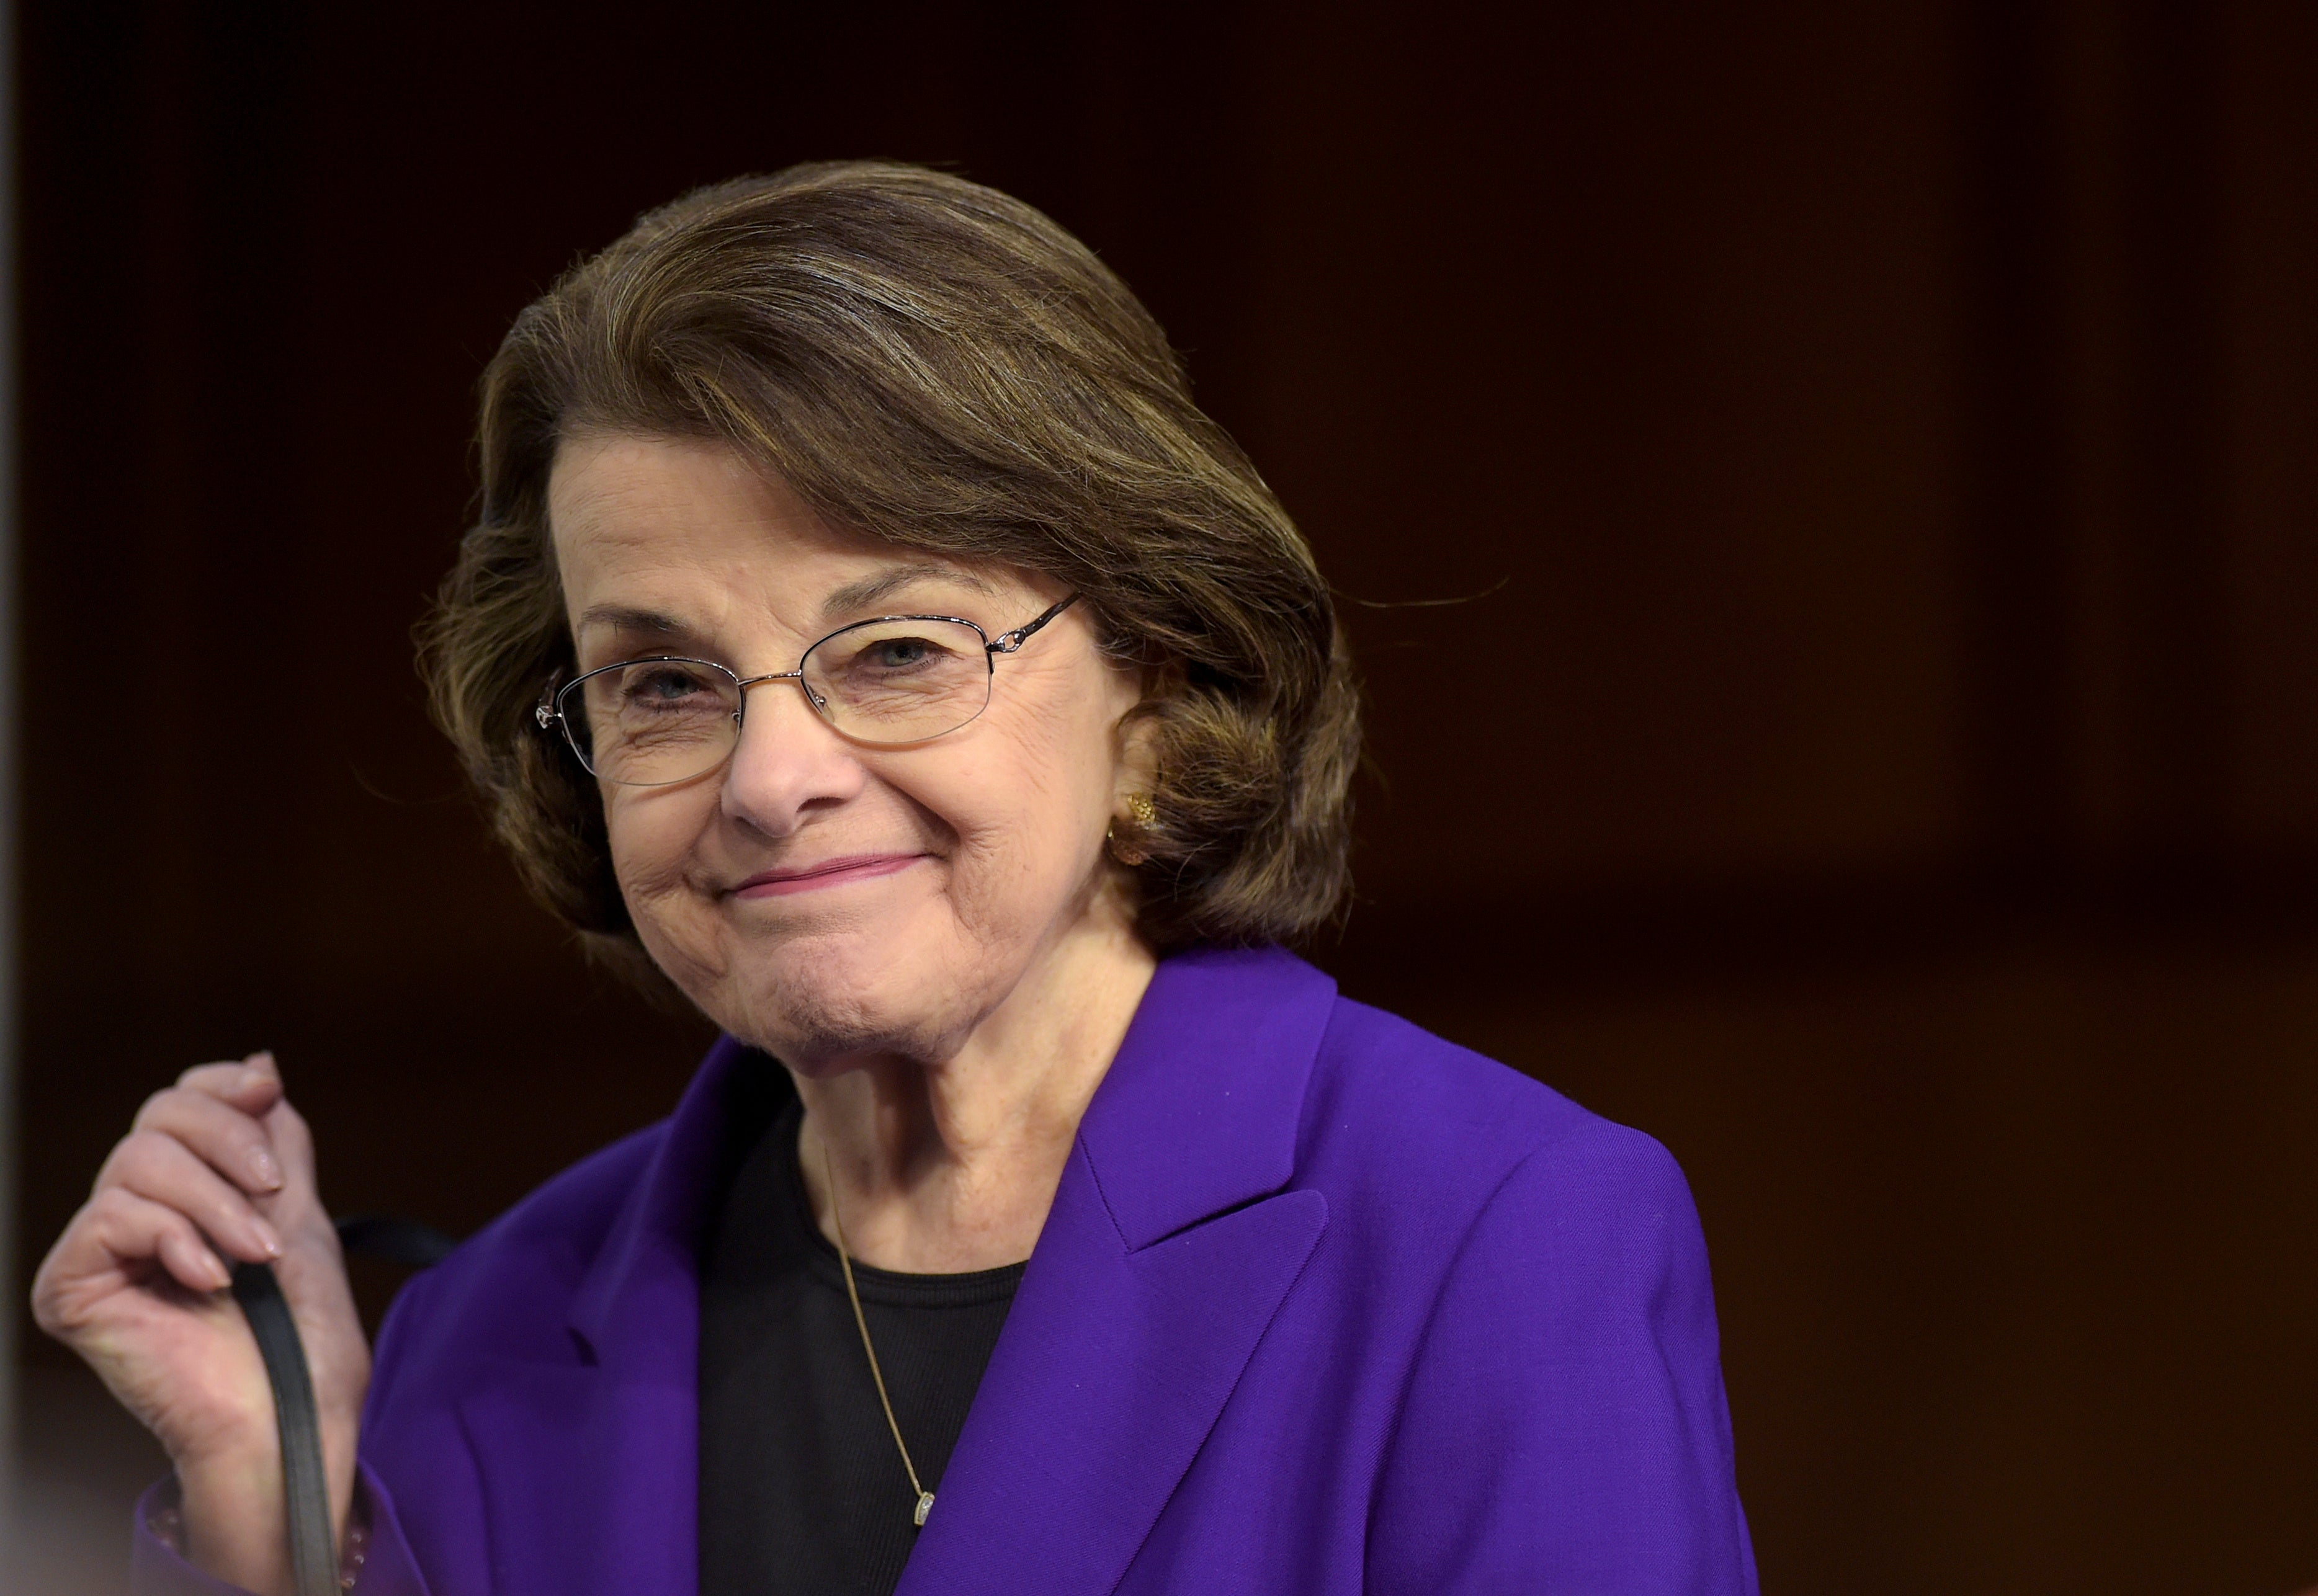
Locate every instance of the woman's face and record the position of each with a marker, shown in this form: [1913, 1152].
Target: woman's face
[814, 896]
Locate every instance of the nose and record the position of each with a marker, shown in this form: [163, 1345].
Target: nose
[789, 762]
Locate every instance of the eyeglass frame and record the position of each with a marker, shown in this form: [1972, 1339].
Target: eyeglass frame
[549, 711]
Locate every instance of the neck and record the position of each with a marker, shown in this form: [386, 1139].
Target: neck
[949, 1166]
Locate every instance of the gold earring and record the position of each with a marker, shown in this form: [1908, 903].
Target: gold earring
[1143, 814]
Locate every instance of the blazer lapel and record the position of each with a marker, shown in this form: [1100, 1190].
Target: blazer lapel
[590, 1479]
[1169, 1250]
[591, 1464]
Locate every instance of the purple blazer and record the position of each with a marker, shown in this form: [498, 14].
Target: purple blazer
[1325, 1306]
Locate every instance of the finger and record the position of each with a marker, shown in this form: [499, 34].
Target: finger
[292, 1142]
[233, 1078]
[230, 1141]
[123, 1230]
[164, 1170]
[190, 1261]
[253, 1085]
[132, 1230]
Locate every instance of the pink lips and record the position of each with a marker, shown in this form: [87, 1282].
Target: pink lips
[829, 873]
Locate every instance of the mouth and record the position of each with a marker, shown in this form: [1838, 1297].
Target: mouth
[829, 873]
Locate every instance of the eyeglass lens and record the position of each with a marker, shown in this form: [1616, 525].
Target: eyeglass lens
[655, 722]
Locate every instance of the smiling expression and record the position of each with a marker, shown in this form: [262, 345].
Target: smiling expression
[815, 896]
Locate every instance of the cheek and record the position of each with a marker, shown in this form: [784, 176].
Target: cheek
[1024, 811]
[652, 836]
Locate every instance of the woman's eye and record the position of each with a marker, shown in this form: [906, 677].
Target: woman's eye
[899, 653]
[665, 687]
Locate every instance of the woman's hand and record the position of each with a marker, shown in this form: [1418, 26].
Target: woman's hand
[217, 1168]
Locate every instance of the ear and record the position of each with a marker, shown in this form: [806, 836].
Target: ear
[1135, 761]
[1135, 737]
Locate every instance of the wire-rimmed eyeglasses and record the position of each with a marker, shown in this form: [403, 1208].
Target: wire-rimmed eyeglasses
[887, 683]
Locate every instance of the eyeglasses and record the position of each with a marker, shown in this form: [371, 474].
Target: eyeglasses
[887, 683]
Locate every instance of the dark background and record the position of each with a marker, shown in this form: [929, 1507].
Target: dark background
[1884, 765]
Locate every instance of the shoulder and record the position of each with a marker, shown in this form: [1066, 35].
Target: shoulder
[1394, 1113]
[506, 1290]
[1562, 1385]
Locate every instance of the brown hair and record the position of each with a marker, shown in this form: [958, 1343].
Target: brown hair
[927, 361]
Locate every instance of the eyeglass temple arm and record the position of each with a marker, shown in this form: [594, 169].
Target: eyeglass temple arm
[545, 712]
[1007, 642]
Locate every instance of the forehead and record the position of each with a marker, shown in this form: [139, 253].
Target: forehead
[668, 513]
[610, 496]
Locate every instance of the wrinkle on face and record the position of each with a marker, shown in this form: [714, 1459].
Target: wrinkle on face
[1004, 818]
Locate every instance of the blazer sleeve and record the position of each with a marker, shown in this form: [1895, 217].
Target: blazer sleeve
[157, 1568]
[389, 1566]
[1564, 1427]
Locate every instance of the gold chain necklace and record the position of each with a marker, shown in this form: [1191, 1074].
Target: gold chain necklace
[925, 1497]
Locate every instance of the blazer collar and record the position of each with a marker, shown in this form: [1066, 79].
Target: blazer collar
[1197, 1114]
[1170, 1248]
[1117, 1355]
[617, 1427]
[640, 1297]
[1199, 1111]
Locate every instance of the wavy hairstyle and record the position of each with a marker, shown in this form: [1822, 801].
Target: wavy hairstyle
[929, 363]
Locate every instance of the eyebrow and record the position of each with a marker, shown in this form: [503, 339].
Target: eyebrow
[882, 584]
[854, 596]
[627, 618]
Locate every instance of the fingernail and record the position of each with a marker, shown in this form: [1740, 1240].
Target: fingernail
[263, 1170]
[263, 1235]
[214, 1267]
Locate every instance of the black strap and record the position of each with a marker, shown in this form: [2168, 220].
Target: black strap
[306, 1492]
[399, 1240]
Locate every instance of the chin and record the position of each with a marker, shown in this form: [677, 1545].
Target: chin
[814, 999]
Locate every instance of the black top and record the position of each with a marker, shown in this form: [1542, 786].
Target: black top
[802, 1491]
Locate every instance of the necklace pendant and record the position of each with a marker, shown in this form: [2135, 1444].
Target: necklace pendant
[925, 1506]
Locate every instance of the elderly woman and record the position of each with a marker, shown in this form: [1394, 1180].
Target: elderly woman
[865, 633]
